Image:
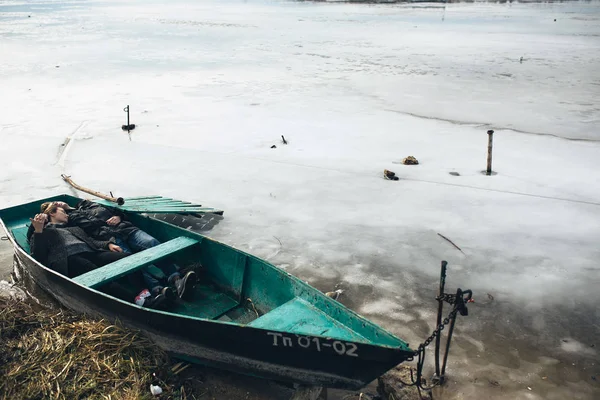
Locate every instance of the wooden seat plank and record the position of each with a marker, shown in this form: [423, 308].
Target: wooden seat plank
[117, 269]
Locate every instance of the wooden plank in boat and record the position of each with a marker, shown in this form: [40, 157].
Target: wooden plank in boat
[117, 269]
[300, 317]
[206, 302]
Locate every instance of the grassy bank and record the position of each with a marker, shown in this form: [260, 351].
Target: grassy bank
[49, 353]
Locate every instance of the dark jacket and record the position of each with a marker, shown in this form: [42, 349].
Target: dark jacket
[48, 247]
[92, 217]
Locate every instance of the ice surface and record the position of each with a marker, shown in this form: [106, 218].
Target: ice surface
[354, 89]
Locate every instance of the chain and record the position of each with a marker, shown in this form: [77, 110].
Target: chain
[448, 298]
[420, 354]
[436, 331]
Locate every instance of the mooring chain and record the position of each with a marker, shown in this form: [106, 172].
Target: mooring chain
[451, 299]
[458, 301]
[447, 297]
[420, 352]
[436, 331]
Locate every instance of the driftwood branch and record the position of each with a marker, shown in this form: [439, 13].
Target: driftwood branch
[119, 200]
[452, 243]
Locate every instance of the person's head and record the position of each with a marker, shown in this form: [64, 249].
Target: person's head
[56, 214]
[47, 204]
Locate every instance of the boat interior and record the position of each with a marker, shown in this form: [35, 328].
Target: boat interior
[233, 286]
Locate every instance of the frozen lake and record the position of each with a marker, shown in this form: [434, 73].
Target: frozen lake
[354, 88]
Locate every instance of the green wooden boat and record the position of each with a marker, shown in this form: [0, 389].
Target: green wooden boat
[246, 315]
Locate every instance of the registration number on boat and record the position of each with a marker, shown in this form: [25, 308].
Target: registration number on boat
[342, 348]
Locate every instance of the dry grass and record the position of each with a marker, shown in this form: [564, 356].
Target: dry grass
[53, 354]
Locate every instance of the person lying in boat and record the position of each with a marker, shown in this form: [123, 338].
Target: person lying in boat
[71, 252]
[103, 223]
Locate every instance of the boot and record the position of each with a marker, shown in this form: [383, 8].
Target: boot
[167, 291]
[185, 285]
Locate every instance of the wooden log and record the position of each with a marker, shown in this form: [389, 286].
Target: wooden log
[118, 200]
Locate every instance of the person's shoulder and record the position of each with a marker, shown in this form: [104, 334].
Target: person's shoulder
[83, 204]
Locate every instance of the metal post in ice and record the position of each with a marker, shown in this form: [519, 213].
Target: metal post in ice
[126, 109]
[489, 157]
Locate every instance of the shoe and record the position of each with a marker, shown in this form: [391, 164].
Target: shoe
[167, 291]
[158, 302]
[146, 299]
[186, 284]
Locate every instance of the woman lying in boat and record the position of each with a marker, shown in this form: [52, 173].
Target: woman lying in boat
[71, 252]
[102, 223]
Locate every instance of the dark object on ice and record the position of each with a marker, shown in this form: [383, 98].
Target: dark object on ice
[29, 16]
[410, 160]
[521, 60]
[453, 173]
[283, 139]
[490, 133]
[273, 147]
[451, 242]
[58, 66]
[554, 19]
[128, 127]
[389, 175]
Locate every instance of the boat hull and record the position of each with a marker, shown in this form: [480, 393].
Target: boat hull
[280, 356]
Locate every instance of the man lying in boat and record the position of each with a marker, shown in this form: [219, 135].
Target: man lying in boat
[71, 252]
[102, 223]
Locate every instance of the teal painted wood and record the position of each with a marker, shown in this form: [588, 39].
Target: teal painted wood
[146, 197]
[159, 205]
[117, 269]
[300, 317]
[167, 210]
[162, 203]
[20, 234]
[228, 267]
[157, 201]
[209, 303]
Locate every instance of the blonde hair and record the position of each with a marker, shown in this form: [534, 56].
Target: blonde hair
[49, 207]
[45, 205]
